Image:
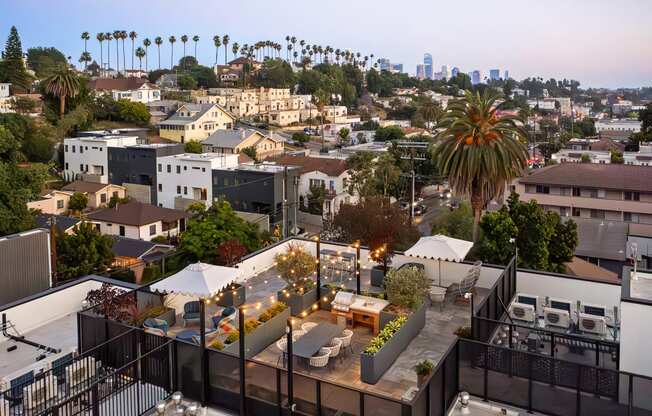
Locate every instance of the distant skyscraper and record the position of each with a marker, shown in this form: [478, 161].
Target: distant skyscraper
[421, 71]
[397, 68]
[427, 63]
[476, 77]
[455, 71]
[384, 64]
[506, 74]
[494, 74]
[445, 72]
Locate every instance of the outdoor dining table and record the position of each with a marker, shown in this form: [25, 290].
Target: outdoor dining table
[310, 343]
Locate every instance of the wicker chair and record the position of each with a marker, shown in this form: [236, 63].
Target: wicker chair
[467, 284]
[307, 326]
[320, 360]
[282, 345]
[347, 336]
[298, 334]
[335, 345]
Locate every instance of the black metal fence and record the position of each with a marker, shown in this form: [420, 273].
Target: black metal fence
[494, 305]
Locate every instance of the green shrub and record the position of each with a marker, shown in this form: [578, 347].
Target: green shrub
[407, 287]
[296, 265]
[424, 367]
[217, 344]
[385, 335]
[233, 336]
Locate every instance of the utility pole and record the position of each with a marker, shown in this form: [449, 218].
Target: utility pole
[296, 201]
[412, 197]
[284, 229]
[53, 249]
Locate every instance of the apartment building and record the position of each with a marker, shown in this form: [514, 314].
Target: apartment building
[186, 178]
[195, 122]
[641, 158]
[235, 141]
[86, 158]
[610, 192]
[618, 125]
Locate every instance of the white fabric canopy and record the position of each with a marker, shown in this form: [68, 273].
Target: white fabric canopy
[440, 247]
[199, 280]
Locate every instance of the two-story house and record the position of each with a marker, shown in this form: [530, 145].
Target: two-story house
[235, 141]
[137, 90]
[195, 122]
[87, 158]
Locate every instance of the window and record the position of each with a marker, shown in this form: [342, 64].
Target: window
[169, 169]
[178, 189]
[103, 198]
[160, 187]
[331, 185]
[152, 229]
[541, 189]
[576, 212]
[66, 165]
[627, 216]
[203, 169]
[160, 167]
[576, 192]
[81, 167]
[185, 190]
[597, 213]
[178, 169]
[73, 148]
[81, 149]
[115, 194]
[632, 196]
[60, 204]
[122, 230]
[65, 148]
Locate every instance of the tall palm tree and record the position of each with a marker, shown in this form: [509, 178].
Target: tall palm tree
[123, 36]
[85, 58]
[172, 39]
[158, 41]
[195, 39]
[430, 112]
[100, 38]
[85, 36]
[225, 42]
[109, 37]
[478, 150]
[62, 83]
[146, 43]
[140, 54]
[217, 41]
[235, 48]
[117, 35]
[287, 45]
[184, 39]
[132, 35]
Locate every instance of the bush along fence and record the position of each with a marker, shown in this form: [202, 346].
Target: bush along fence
[390, 342]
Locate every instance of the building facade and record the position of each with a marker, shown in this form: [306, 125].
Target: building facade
[195, 122]
[87, 158]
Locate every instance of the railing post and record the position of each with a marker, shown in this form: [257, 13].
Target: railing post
[361, 403]
[357, 266]
[290, 367]
[443, 390]
[485, 394]
[318, 397]
[630, 396]
[529, 383]
[318, 268]
[279, 404]
[243, 381]
[95, 400]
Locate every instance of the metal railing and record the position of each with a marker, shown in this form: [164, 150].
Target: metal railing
[493, 305]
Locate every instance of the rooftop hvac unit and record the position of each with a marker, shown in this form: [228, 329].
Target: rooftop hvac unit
[522, 312]
[592, 324]
[556, 317]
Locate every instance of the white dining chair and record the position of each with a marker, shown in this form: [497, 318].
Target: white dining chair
[320, 359]
[307, 326]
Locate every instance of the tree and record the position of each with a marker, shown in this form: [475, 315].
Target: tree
[225, 42]
[84, 252]
[645, 117]
[186, 82]
[12, 67]
[132, 35]
[140, 54]
[389, 133]
[361, 174]
[146, 43]
[230, 252]
[210, 227]
[158, 41]
[133, 112]
[295, 265]
[343, 135]
[456, 223]
[406, 288]
[195, 39]
[586, 158]
[78, 202]
[172, 40]
[62, 83]
[478, 150]
[23, 105]
[617, 157]
[217, 41]
[192, 146]
[386, 173]
[316, 199]
[251, 152]
[45, 60]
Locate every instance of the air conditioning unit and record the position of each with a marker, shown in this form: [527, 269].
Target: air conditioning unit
[592, 324]
[522, 312]
[556, 317]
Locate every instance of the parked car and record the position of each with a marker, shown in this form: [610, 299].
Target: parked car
[420, 209]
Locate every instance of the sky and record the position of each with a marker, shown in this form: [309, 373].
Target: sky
[601, 43]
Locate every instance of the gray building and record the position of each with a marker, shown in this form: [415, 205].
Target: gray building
[25, 265]
[135, 168]
[259, 189]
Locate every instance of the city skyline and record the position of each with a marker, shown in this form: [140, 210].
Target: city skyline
[536, 44]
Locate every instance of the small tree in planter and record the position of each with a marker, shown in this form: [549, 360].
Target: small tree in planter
[230, 252]
[406, 288]
[296, 266]
[113, 303]
[423, 370]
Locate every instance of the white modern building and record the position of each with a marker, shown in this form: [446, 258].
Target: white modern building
[641, 158]
[187, 178]
[87, 158]
[618, 125]
[4, 89]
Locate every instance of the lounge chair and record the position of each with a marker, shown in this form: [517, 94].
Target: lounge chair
[226, 317]
[191, 312]
[155, 323]
[467, 284]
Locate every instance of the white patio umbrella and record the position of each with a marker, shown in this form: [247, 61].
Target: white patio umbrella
[200, 280]
[440, 247]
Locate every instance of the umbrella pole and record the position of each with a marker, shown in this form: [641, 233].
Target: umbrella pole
[439, 260]
[202, 348]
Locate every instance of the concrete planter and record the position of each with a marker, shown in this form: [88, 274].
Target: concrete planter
[385, 317]
[262, 337]
[229, 298]
[372, 367]
[296, 302]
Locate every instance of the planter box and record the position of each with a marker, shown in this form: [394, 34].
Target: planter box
[233, 299]
[262, 337]
[170, 316]
[385, 317]
[377, 276]
[372, 367]
[298, 303]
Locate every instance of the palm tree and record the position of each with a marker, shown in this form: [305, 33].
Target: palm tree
[123, 36]
[478, 150]
[100, 38]
[108, 36]
[287, 45]
[140, 54]
[217, 41]
[158, 41]
[172, 39]
[85, 37]
[195, 39]
[85, 58]
[117, 35]
[146, 44]
[132, 35]
[235, 48]
[62, 83]
[225, 41]
[184, 39]
[430, 112]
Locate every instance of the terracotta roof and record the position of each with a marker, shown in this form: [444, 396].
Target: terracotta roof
[242, 60]
[607, 144]
[84, 187]
[593, 175]
[121, 84]
[331, 167]
[582, 268]
[136, 213]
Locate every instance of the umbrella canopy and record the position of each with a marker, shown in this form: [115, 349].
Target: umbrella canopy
[199, 280]
[440, 247]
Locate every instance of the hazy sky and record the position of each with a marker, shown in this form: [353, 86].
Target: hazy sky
[598, 42]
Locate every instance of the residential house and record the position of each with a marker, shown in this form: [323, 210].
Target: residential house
[54, 202]
[195, 122]
[239, 63]
[132, 89]
[235, 141]
[186, 178]
[87, 158]
[334, 113]
[330, 174]
[641, 158]
[162, 109]
[63, 223]
[98, 194]
[137, 220]
[136, 254]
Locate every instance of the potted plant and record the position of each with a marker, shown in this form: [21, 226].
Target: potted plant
[234, 295]
[382, 255]
[423, 369]
[296, 266]
[406, 291]
[464, 332]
